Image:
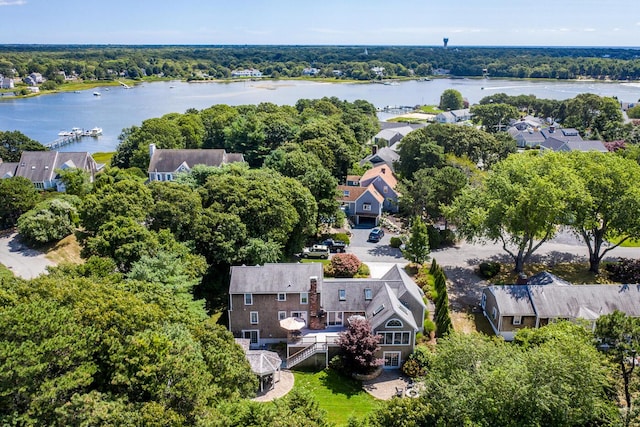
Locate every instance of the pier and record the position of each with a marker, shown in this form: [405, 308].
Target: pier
[397, 109]
[63, 140]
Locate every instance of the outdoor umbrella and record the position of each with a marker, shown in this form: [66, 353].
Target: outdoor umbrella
[292, 323]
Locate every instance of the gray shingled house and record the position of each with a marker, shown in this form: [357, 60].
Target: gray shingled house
[40, 167]
[260, 297]
[164, 164]
[546, 298]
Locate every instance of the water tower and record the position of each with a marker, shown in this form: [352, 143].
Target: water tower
[446, 41]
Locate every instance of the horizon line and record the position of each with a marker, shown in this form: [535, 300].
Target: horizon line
[439, 46]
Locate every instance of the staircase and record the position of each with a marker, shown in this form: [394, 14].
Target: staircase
[305, 353]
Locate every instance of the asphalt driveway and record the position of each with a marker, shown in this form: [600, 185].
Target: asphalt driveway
[23, 261]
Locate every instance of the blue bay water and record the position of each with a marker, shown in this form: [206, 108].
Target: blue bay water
[43, 117]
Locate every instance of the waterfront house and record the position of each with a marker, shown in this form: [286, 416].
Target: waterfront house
[40, 167]
[6, 83]
[248, 72]
[545, 298]
[164, 164]
[260, 297]
[454, 116]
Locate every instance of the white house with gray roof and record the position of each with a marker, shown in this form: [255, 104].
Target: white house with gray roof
[164, 164]
[261, 296]
[546, 298]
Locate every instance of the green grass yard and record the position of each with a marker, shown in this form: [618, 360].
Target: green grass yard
[341, 397]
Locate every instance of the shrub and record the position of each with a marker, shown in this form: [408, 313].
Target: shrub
[345, 265]
[429, 326]
[417, 363]
[50, 221]
[489, 269]
[343, 237]
[395, 242]
[447, 237]
[363, 271]
[624, 271]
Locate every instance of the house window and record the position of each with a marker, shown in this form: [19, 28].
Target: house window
[248, 299]
[368, 294]
[378, 310]
[300, 314]
[391, 359]
[169, 177]
[517, 320]
[282, 297]
[334, 318]
[385, 189]
[253, 316]
[395, 338]
[483, 303]
[342, 294]
[346, 193]
[494, 313]
[394, 323]
[304, 298]
[282, 315]
[366, 206]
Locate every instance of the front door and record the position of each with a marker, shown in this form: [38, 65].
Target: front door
[253, 335]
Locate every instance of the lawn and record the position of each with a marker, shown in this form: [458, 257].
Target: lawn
[103, 157]
[340, 397]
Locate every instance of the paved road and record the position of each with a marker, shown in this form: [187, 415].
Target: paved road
[24, 262]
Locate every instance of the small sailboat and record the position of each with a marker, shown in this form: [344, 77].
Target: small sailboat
[97, 94]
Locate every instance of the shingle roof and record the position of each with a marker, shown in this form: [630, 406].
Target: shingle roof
[385, 304]
[383, 172]
[586, 146]
[513, 300]
[263, 362]
[274, 278]
[356, 192]
[40, 166]
[164, 160]
[8, 170]
[576, 301]
[385, 155]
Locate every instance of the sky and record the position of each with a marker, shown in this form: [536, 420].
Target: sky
[609, 23]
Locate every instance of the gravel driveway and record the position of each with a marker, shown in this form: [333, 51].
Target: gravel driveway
[23, 261]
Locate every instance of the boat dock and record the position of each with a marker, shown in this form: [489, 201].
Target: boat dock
[66, 137]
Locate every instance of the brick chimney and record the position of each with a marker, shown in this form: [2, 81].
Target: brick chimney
[315, 314]
[383, 170]
[152, 149]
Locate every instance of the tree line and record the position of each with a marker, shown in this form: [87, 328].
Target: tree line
[353, 62]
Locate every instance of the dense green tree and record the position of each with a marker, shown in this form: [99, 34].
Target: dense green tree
[13, 143]
[17, 196]
[431, 189]
[418, 151]
[76, 181]
[593, 115]
[50, 221]
[494, 117]
[520, 204]
[175, 207]
[126, 198]
[608, 214]
[618, 335]
[451, 99]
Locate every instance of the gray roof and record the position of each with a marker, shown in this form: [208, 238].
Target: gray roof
[552, 143]
[585, 301]
[263, 362]
[513, 300]
[8, 170]
[164, 160]
[546, 278]
[37, 166]
[563, 134]
[274, 278]
[40, 166]
[408, 285]
[385, 155]
[384, 306]
[587, 145]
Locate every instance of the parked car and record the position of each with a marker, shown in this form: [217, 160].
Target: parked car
[335, 245]
[316, 251]
[376, 235]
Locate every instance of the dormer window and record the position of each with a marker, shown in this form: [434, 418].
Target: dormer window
[346, 193]
[378, 310]
[342, 294]
[394, 323]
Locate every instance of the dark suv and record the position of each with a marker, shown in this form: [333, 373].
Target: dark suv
[376, 234]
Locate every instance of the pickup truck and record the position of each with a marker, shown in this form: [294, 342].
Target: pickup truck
[316, 251]
[335, 245]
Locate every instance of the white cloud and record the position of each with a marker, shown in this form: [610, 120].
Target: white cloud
[12, 2]
[589, 30]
